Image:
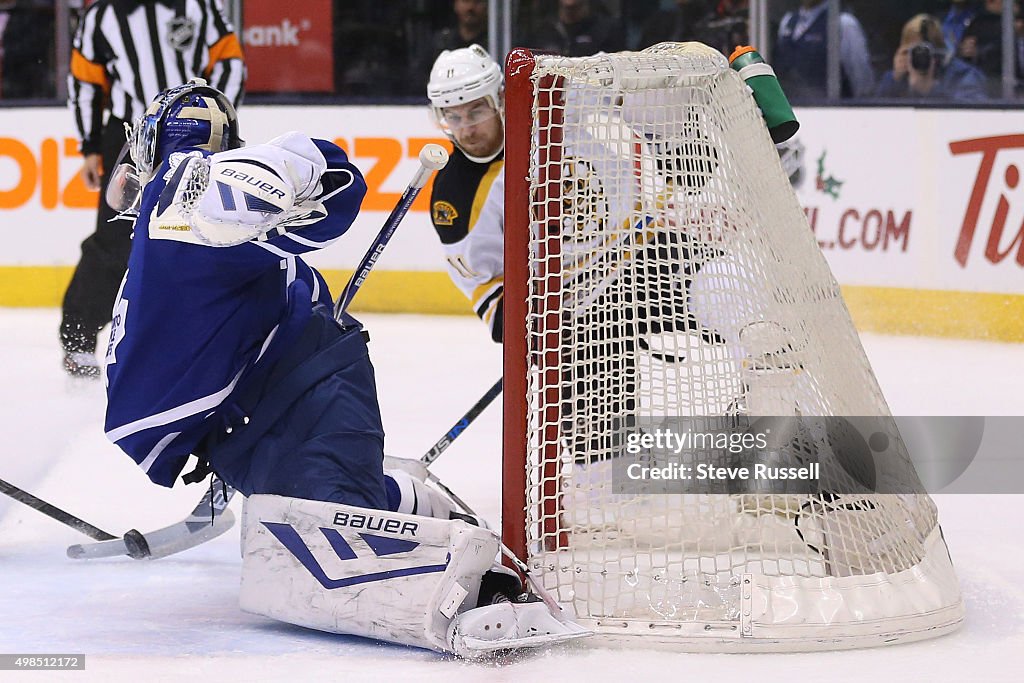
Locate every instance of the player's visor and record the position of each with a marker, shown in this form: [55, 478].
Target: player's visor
[467, 115]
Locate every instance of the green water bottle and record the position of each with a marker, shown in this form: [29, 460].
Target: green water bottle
[760, 77]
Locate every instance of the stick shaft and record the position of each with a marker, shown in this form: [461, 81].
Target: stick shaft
[375, 250]
[429, 162]
[538, 587]
[54, 512]
[445, 441]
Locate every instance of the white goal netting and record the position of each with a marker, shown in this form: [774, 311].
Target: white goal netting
[674, 281]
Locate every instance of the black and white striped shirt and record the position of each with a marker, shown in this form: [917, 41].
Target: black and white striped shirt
[126, 52]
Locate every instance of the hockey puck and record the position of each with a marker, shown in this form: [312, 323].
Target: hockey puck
[135, 544]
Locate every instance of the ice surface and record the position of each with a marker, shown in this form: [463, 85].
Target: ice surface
[177, 618]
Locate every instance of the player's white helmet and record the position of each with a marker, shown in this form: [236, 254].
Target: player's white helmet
[461, 76]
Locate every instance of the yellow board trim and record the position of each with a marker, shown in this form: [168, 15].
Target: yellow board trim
[937, 313]
[33, 286]
[889, 310]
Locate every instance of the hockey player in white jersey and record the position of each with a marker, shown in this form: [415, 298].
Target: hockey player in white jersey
[225, 346]
[467, 202]
[466, 95]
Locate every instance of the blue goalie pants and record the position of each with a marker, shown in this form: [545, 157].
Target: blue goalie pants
[310, 426]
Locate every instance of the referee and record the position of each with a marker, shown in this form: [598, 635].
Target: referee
[124, 54]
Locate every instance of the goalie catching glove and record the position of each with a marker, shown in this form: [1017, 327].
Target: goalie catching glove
[232, 197]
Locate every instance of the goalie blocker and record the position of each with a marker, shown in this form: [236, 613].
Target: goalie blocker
[407, 579]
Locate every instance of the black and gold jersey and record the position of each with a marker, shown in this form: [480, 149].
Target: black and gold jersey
[467, 210]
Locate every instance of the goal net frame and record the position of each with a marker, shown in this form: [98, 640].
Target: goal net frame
[841, 597]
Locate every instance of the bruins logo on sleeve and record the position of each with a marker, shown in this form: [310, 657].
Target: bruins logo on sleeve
[444, 213]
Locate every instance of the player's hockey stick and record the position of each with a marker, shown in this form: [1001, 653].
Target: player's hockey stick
[54, 512]
[505, 550]
[432, 158]
[210, 518]
[418, 468]
[445, 441]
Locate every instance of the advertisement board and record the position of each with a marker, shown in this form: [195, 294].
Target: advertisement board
[918, 212]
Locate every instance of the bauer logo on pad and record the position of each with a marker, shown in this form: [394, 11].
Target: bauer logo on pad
[381, 546]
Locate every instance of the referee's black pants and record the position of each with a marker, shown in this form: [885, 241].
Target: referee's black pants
[89, 299]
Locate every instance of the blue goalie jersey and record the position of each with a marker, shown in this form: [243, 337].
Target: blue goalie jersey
[193, 321]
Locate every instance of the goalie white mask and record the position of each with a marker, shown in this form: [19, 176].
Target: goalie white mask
[190, 116]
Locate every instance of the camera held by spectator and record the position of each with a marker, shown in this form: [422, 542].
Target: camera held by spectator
[924, 56]
[923, 68]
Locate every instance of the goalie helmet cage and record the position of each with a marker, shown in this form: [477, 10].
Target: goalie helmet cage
[658, 263]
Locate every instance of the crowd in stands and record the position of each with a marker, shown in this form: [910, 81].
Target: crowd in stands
[935, 50]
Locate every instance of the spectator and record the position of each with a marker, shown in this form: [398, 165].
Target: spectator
[582, 28]
[722, 24]
[470, 29]
[801, 54]
[959, 17]
[982, 44]
[923, 67]
[725, 27]
[124, 53]
[371, 53]
[26, 49]
[679, 24]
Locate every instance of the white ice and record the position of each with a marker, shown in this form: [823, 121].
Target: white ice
[177, 618]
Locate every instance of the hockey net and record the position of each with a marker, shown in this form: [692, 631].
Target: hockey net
[658, 268]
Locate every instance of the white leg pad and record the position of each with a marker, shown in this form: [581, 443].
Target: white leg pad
[373, 573]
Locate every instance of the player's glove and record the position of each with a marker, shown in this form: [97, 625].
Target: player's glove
[249, 192]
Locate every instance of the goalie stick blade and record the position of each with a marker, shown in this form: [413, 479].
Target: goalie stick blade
[210, 518]
[169, 540]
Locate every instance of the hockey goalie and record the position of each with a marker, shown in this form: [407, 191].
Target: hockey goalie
[225, 346]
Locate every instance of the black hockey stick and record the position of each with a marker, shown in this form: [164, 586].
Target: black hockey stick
[418, 468]
[54, 512]
[445, 441]
[432, 158]
[210, 518]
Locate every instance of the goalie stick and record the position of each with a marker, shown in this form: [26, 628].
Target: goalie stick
[432, 158]
[210, 518]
